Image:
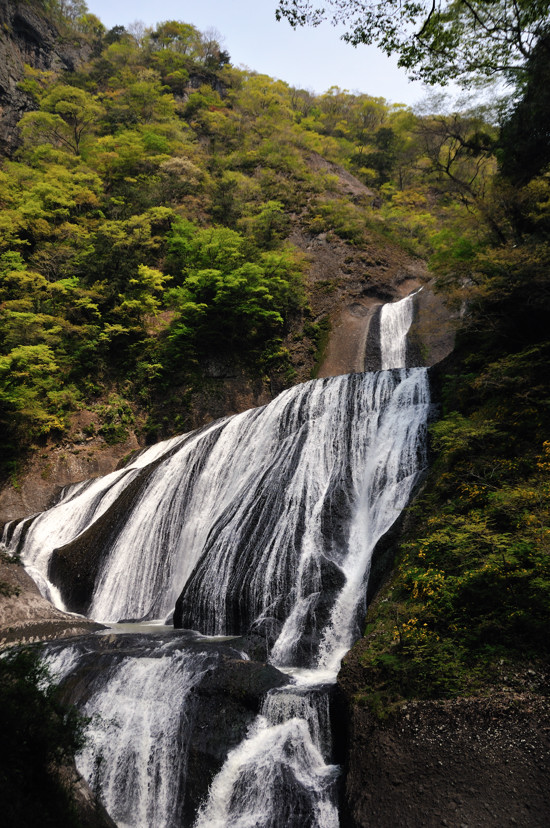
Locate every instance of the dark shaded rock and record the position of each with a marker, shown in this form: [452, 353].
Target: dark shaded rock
[476, 761]
[198, 79]
[373, 354]
[91, 813]
[292, 797]
[332, 582]
[230, 696]
[27, 36]
[432, 333]
[383, 555]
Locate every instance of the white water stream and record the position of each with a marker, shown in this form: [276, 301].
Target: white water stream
[395, 320]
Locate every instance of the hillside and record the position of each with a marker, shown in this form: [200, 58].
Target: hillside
[181, 240]
[160, 201]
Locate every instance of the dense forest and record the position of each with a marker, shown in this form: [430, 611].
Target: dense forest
[144, 232]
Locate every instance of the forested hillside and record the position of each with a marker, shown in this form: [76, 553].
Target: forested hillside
[146, 215]
[160, 213]
[468, 605]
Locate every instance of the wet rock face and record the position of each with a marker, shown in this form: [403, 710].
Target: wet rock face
[229, 698]
[27, 37]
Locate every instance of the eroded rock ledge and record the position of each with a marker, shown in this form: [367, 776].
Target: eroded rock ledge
[462, 763]
[26, 617]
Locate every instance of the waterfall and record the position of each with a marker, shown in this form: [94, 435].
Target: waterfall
[253, 523]
[79, 506]
[277, 777]
[260, 525]
[152, 701]
[135, 754]
[395, 320]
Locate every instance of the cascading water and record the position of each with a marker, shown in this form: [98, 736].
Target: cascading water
[261, 524]
[395, 320]
[136, 750]
[279, 776]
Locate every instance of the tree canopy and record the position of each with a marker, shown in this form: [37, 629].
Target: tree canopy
[436, 40]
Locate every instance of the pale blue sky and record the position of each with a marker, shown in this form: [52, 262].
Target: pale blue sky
[309, 58]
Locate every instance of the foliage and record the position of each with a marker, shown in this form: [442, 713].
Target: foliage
[228, 295]
[439, 40]
[524, 151]
[112, 166]
[101, 285]
[319, 333]
[40, 736]
[471, 591]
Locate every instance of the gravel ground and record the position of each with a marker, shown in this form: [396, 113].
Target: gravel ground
[465, 763]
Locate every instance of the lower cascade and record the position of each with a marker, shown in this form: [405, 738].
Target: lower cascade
[254, 537]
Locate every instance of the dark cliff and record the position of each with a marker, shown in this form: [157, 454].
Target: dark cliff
[28, 36]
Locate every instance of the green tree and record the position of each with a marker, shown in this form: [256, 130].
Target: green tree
[228, 297]
[436, 40]
[66, 115]
[28, 378]
[180, 37]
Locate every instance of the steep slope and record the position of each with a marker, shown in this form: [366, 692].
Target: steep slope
[28, 36]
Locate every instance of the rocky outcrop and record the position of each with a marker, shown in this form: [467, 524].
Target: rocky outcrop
[464, 762]
[28, 36]
[25, 616]
[37, 485]
[91, 813]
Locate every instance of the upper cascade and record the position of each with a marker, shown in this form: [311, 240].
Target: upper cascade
[395, 320]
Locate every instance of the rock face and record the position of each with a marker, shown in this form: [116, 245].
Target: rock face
[25, 616]
[476, 761]
[465, 762]
[27, 36]
[78, 458]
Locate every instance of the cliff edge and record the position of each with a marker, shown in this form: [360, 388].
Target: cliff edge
[28, 36]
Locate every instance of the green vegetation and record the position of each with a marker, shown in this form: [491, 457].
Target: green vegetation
[319, 334]
[144, 221]
[132, 245]
[144, 235]
[39, 736]
[469, 601]
[437, 40]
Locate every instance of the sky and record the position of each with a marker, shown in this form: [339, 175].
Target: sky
[309, 58]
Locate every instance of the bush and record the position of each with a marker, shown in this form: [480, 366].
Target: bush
[40, 735]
